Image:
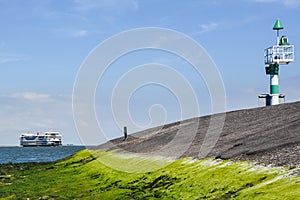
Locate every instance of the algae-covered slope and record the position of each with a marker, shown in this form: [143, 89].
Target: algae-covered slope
[83, 176]
[269, 135]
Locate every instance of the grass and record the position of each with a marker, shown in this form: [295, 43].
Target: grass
[110, 175]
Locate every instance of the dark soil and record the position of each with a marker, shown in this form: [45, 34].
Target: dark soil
[267, 135]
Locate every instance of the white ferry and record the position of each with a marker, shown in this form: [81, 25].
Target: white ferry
[50, 138]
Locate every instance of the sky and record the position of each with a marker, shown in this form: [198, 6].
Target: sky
[43, 44]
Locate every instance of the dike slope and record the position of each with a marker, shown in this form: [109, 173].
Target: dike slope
[267, 135]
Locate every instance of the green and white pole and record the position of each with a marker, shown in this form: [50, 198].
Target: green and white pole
[273, 70]
[274, 89]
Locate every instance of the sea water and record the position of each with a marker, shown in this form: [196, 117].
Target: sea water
[36, 154]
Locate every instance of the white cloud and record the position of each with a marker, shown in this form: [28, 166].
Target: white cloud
[8, 58]
[207, 27]
[66, 15]
[288, 3]
[75, 33]
[35, 112]
[119, 5]
[79, 33]
[264, 1]
[31, 96]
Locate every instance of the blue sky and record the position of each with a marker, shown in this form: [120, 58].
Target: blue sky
[44, 42]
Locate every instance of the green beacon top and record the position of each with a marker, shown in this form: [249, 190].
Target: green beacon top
[277, 25]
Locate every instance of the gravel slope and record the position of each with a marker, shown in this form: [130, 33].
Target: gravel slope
[268, 135]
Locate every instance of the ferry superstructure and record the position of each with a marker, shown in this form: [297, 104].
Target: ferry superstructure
[49, 138]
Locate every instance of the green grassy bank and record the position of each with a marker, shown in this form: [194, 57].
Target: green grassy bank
[83, 176]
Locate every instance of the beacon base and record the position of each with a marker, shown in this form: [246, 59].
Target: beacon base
[265, 99]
